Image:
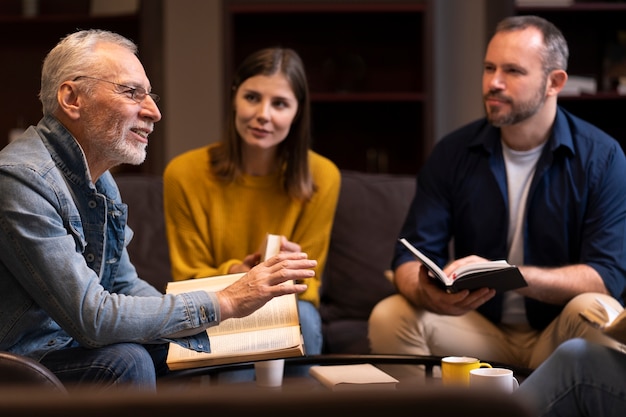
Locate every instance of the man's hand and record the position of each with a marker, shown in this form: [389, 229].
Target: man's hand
[432, 298]
[457, 263]
[423, 291]
[265, 281]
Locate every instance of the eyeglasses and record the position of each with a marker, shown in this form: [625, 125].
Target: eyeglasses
[138, 94]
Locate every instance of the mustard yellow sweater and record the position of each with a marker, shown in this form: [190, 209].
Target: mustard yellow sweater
[212, 225]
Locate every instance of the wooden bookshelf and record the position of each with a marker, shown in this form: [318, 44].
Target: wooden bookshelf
[367, 65]
[25, 41]
[596, 36]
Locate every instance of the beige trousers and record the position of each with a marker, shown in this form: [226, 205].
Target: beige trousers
[396, 327]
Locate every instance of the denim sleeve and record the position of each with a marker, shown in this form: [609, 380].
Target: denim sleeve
[47, 280]
[126, 279]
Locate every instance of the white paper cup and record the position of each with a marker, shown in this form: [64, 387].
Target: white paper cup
[269, 373]
[493, 379]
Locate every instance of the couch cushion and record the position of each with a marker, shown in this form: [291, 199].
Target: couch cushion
[148, 250]
[370, 213]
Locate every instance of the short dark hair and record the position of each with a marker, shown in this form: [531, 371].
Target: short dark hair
[555, 53]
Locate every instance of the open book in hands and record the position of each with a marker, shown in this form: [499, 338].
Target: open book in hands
[498, 275]
[271, 332]
[606, 318]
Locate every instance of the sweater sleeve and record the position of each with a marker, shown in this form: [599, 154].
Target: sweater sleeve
[314, 227]
[190, 243]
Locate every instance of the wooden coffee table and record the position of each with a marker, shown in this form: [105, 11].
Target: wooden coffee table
[296, 370]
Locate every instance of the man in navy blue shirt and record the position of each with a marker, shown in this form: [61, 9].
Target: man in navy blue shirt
[530, 183]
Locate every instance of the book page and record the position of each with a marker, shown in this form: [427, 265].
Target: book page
[432, 267]
[279, 311]
[249, 346]
[610, 311]
[213, 284]
[243, 343]
[606, 318]
[270, 247]
[257, 341]
[479, 267]
[599, 314]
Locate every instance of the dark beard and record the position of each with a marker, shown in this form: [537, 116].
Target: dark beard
[519, 112]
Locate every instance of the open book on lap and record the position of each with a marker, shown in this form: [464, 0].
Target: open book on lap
[498, 275]
[271, 332]
[606, 318]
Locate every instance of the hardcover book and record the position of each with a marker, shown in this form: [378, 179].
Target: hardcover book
[498, 275]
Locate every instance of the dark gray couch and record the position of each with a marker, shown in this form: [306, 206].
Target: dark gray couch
[369, 215]
[370, 211]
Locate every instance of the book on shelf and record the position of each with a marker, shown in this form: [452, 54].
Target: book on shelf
[271, 332]
[363, 376]
[499, 275]
[543, 3]
[602, 316]
[577, 85]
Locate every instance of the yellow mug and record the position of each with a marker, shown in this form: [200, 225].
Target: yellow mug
[455, 370]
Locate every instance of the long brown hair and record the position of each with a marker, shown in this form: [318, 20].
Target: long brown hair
[226, 158]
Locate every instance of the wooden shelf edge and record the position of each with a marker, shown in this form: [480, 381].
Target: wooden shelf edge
[576, 7]
[603, 95]
[7, 19]
[338, 7]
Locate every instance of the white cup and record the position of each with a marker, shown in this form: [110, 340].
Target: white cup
[269, 373]
[494, 379]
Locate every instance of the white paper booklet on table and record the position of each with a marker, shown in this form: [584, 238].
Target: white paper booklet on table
[353, 377]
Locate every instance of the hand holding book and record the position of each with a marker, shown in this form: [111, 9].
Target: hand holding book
[258, 326]
[498, 275]
[264, 282]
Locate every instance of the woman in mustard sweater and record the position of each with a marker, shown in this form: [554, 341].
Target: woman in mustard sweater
[222, 199]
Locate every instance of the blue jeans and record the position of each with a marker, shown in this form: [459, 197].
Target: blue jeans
[311, 327]
[122, 365]
[579, 379]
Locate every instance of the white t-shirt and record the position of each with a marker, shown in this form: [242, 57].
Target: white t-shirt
[520, 168]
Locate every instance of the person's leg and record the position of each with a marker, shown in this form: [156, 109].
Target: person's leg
[311, 326]
[123, 365]
[569, 325]
[396, 327]
[580, 378]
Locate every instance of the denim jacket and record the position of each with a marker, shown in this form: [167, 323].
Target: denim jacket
[65, 274]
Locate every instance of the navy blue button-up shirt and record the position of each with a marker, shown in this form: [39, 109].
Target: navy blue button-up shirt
[575, 212]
